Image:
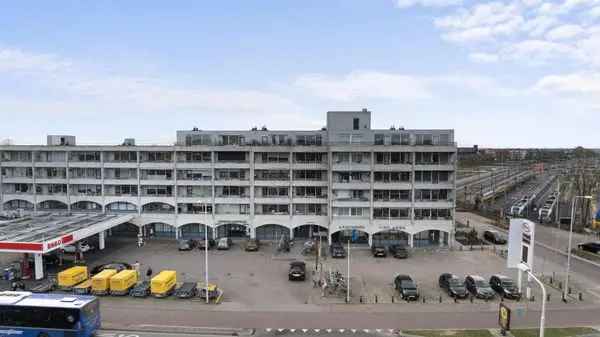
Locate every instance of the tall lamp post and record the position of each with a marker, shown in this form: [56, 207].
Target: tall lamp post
[525, 268]
[570, 241]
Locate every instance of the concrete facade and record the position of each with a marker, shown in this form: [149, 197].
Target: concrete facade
[346, 178]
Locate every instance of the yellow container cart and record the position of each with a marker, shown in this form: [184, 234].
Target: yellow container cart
[101, 281]
[68, 278]
[163, 284]
[121, 283]
[83, 288]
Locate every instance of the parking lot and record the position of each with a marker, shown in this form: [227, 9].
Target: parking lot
[251, 279]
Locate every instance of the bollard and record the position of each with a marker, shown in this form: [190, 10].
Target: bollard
[532, 298]
[440, 298]
[548, 298]
[501, 298]
[361, 300]
[551, 279]
[392, 298]
[560, 285]
[455, 299]
[471, 298]
[580, 296]
[569, 291]
[375, 299]
[423, 299]
[563, 297]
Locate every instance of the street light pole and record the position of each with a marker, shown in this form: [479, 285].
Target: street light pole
[543, 315]
[348, 277]
[573, 203]
[206, 260]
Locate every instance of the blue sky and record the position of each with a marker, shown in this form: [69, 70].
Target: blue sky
[519, 73]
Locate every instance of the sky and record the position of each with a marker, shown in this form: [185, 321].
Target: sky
[515, 73]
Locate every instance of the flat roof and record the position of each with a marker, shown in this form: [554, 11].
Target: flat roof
[47, 232]
[48, 226]
[27, 299]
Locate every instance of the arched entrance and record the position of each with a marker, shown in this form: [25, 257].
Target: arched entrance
[86, 206]
[271, 232]
[354, 235]
[309, 231]
[432, 237]
[232, 230]
[52, 205]
[391, 237]
[126, 229]
[121, 207]
[158, 208]
[195, 231]
[18, 204]
[161, 230]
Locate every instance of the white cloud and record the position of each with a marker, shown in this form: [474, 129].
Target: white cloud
[18, 60]
[539, 25]
[539, 51]
[484, 57]
[578, 83]
[564, 32]
[594, 12]
[427, 3]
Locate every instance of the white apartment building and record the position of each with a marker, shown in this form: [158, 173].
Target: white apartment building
[346, 180]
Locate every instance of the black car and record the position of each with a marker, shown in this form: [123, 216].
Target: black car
[297, 271]
[592, 247]
[378, 251]
[118, 266]
[188, 244]
[141, 289]
[201, 244]
[494, 237]
[479, 287]
[398, 251]
[407, 288]
[504, 286]
[338, 251]
[187, 290]
[453, 285]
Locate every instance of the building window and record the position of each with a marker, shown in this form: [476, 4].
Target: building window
[355, 124]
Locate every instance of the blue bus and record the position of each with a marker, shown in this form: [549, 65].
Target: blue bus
[25, 314]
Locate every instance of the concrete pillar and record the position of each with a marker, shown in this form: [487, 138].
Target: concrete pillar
[370, 240]
[101, 240]
[177, 234]
[291, 234]
[141, 231]
[329, 238]
[252, 232]
[39, 266]
[410, 240]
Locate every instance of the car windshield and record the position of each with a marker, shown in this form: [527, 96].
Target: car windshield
[454, 282]
[408, 285]
[508, 283]
[481, 284]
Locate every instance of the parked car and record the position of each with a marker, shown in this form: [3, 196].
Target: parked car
[187, 290]
[224, 244]
[202, 242]
[141, 289]
[398, 251]
[186, 244]
[378, 250]
[407, 288]
[504, 286]
[494, 237]
[84, 247]
[454, 285]
[337, 250]
[297, 271]
[213, 291]
[118, 266]
[592, 247]
[252, 245]
[479, 287]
